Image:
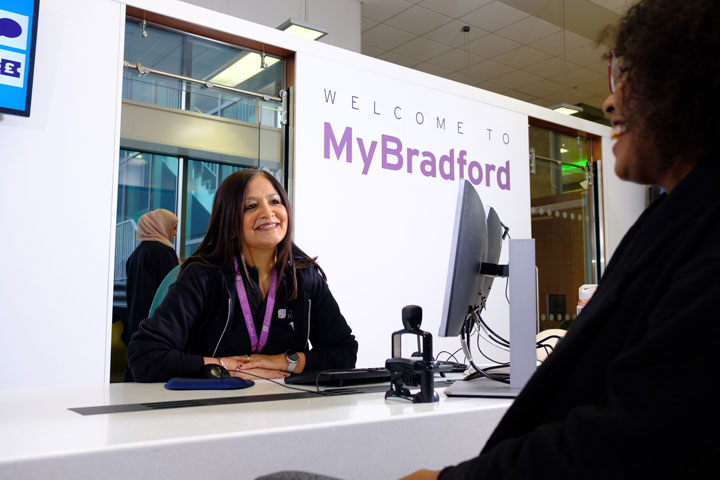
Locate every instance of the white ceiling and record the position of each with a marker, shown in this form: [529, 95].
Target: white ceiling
[514, 47]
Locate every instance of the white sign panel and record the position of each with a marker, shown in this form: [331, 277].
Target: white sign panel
[378, 157]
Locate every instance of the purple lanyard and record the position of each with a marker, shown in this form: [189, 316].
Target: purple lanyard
[257, 347]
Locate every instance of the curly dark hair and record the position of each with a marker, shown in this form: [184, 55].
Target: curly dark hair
[671, 73]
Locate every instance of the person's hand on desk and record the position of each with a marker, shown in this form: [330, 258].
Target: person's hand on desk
[268, 362]
[423, 475]
[258, 365]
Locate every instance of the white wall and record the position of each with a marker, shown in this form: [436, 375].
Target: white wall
[383, 233]
[56, 201]
[340, 18]
[57, 184]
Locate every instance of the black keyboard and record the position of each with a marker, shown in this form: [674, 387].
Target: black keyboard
[341, 378]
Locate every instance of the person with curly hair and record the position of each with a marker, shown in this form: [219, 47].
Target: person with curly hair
[629, 391]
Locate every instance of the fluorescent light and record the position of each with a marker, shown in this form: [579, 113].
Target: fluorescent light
[567, 109]
[302, 29]
[246, 67]
[563, 150]
[137, 160]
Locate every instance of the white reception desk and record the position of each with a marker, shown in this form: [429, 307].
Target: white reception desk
[158, 433]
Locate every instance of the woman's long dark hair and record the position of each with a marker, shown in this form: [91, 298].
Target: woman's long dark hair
[224, 236]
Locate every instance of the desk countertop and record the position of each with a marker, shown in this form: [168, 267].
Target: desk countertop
[348, 435]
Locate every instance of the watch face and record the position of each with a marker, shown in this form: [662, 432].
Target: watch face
[292, 356]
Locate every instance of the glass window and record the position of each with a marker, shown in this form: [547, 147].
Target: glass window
[202, 59]
[203, 180]
[145, 182]
[253, 134]
[563, 222]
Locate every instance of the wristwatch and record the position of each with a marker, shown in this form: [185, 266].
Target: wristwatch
[292, 359]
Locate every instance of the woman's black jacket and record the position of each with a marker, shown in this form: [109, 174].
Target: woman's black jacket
[201, 315]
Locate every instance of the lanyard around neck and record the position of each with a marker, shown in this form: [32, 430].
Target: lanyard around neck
[257, 346]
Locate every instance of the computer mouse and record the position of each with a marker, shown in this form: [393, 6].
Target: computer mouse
[213, 370]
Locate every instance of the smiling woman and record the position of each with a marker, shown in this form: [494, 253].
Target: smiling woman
[265, 221]
[606, 404]
[247, 299]
[663, 88]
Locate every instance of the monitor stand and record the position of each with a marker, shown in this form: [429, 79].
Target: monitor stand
[483, 388]
[523, 355]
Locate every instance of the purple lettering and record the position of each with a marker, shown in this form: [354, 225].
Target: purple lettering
[411, 152]
[392, 151]
[475, 179]
[448, 161]
[366, 156]
[504, 171]
[387, 151]
[488, 170]
[427, 166]
[461, 163]
[345, 143]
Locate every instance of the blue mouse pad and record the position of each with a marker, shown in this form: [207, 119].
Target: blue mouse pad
[232, 383]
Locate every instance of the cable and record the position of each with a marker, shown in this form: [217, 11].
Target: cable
[498, 342]
[545, 347]
[550, 337]
[492, 341]
[477, 343]
[499, 339]
[467, 327]
[450, 355]
[506, 231]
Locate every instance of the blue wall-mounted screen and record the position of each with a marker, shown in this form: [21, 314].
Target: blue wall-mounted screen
[18, 32]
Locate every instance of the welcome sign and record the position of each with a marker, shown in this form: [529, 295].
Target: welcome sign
[18, 32]
[379, 153]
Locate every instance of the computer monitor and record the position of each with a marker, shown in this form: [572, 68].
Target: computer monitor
[475, 250]
[496, 231]
[477, 240]
[467, 254]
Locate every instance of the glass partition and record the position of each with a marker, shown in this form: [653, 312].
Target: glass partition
[203, 180]
[563, 222]
[145, 182]
[208, 61]
[176, 156]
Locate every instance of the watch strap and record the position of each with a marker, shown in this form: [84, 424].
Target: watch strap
[292, 364]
